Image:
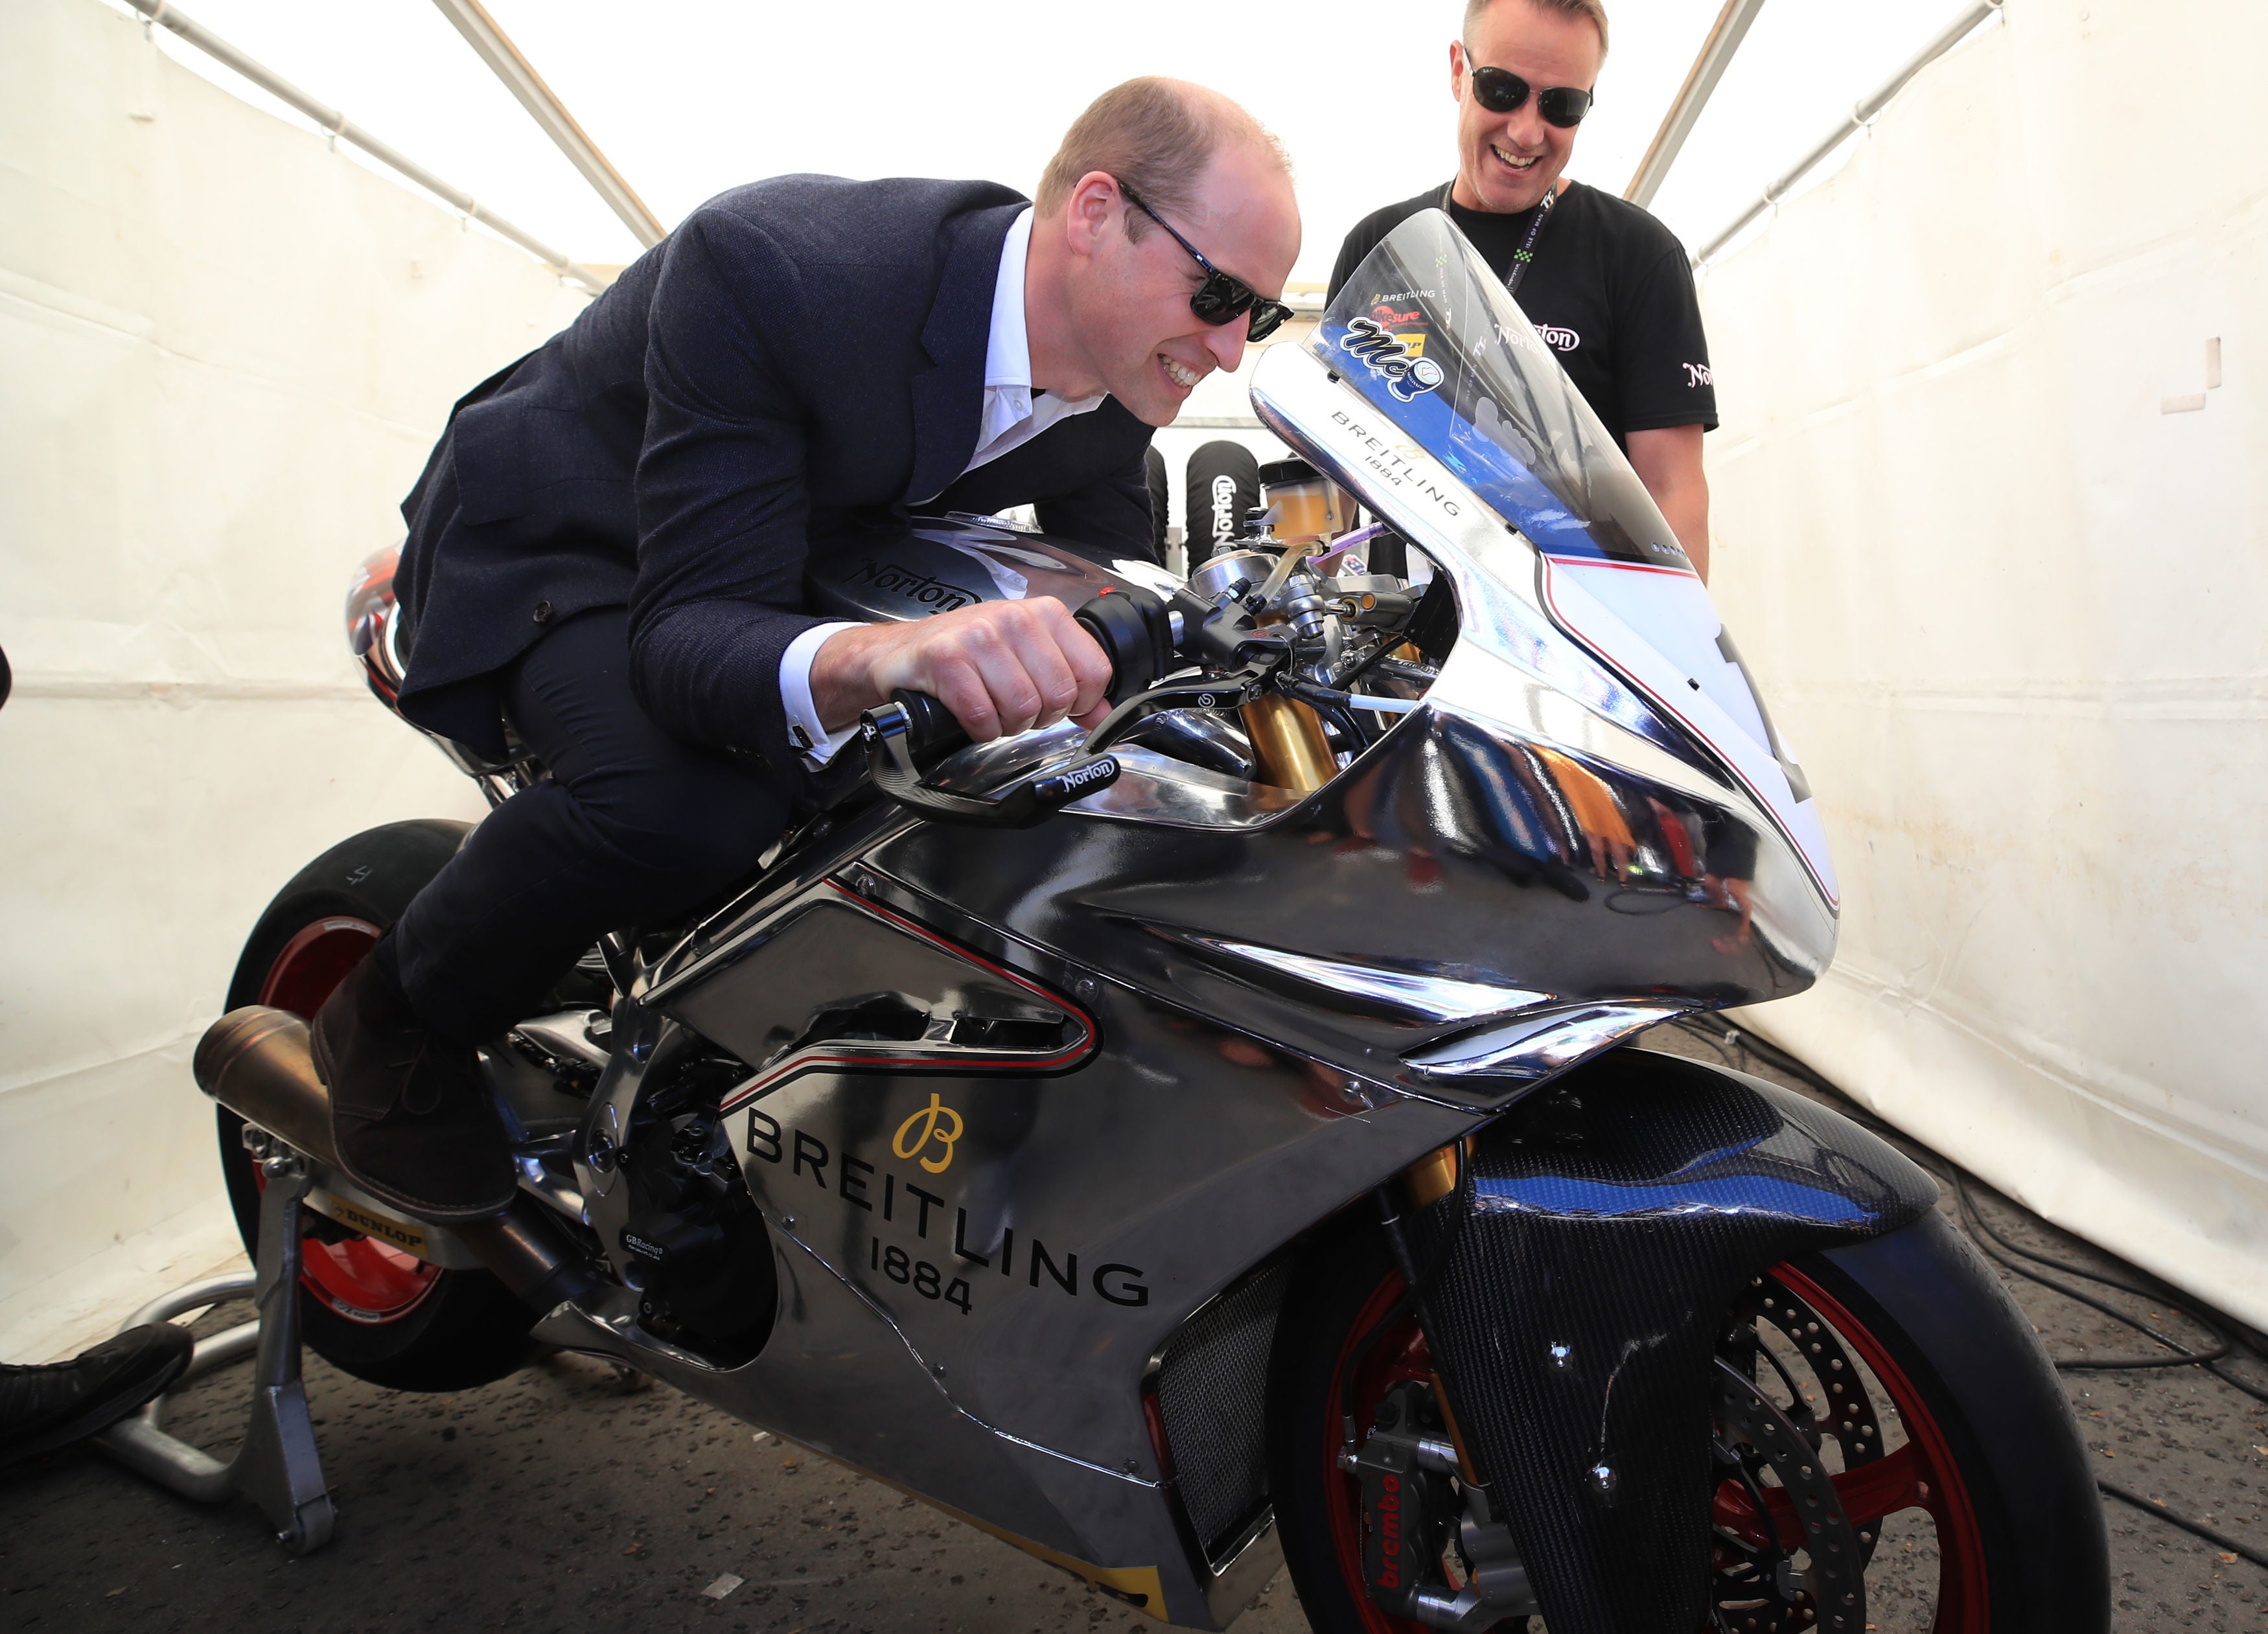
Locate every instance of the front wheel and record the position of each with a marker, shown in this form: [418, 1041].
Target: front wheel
[1944, 1429]
[365, 1307]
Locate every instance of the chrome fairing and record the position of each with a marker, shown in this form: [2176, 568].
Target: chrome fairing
[1294, 1000]
[1519, 678]
[1442, 886]
[946, 1216]
[1268, 1005]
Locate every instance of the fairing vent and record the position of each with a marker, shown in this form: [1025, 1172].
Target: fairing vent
[1212, 1390]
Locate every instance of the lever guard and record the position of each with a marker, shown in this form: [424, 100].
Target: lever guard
[1034, 800]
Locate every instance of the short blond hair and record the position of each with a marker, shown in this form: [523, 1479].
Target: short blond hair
[1594, 10]
[1156, 137]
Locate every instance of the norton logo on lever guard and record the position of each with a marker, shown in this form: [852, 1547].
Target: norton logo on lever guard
[1100, 772]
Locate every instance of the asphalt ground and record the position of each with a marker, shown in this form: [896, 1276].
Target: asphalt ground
[566, 1500]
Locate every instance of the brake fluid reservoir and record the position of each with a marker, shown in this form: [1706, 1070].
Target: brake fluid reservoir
[1307, 504]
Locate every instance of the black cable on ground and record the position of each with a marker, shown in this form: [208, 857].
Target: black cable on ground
[2182, 1355]
[1719, 1034]
[2153, 1506]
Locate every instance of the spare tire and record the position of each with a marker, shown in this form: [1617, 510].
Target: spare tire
[1153, 466]
[1224, 488]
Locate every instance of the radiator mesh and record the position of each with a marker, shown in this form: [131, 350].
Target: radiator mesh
[1212, 1391]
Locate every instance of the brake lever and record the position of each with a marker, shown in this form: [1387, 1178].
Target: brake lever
[884, 731]
[1228, 692]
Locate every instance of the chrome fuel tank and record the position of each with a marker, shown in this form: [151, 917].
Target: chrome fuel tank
[943, 564]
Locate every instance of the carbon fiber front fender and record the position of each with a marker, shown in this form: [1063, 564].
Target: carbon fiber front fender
[1613, 1219]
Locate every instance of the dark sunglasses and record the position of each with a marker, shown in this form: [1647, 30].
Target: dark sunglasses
[1500, 91]
[1221, 298]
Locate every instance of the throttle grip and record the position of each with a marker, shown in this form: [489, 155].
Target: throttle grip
[1134, 629]
[932, 731]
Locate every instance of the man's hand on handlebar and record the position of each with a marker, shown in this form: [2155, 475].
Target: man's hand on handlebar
[1000, 667]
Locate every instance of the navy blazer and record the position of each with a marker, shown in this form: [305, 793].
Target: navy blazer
[801, 360]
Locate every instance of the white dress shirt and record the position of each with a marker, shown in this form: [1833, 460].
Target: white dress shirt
[1010, 420]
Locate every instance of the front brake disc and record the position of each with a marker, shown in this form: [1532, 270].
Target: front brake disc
[1838, 1565]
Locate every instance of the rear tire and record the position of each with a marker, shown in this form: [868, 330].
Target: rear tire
[2012, 1511]
[365, 1308]
[1224, 486]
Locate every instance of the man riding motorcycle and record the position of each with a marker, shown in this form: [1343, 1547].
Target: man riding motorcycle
[605, 559]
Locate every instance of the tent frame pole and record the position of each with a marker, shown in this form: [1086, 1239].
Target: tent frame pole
[1862, 116]
[339, 128]
[1725, 36]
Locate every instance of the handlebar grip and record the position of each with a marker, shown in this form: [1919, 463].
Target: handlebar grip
[934, 732]
[1134, 629]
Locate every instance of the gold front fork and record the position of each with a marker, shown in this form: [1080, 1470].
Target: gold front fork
[1287, 740]
[1429, 1180]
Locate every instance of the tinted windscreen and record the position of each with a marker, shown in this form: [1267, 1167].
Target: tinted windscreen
[1426, 333]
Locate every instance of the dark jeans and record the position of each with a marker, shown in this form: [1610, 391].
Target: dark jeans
[636, 828]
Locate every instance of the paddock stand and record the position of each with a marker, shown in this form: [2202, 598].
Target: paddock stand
[277, 1465]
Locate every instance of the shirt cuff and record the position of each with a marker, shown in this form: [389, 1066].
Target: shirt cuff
[810, 739]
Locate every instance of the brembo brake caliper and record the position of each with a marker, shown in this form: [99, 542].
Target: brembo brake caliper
[1412, 1508]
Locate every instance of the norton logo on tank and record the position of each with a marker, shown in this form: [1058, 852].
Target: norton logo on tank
[923, 590]
[919, 1240]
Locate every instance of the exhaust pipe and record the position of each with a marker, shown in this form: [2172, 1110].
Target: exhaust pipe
[256, 1061]
[531, 1255]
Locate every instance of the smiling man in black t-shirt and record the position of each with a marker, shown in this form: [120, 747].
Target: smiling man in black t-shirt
[1607, 285]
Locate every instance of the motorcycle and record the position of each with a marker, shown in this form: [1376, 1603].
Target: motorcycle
[1220, 1139]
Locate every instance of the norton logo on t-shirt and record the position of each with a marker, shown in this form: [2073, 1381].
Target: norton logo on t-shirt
[1558, 339]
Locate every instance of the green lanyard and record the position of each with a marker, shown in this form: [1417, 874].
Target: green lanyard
[1524, 257]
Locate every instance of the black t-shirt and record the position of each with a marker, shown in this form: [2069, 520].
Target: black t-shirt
[1611, 290]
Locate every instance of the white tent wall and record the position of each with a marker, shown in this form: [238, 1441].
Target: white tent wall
[2009, 597]
[224, 352]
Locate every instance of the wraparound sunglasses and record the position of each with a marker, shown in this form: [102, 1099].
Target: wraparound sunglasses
[1500, 91]
[1222, 298]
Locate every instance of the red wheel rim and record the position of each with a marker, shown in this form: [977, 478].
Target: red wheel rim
[361, 1280]
[1921, 1474]
[315, 962]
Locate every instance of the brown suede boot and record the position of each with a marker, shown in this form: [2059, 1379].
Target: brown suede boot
[411, 1117]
